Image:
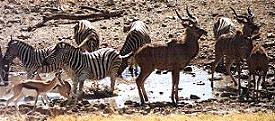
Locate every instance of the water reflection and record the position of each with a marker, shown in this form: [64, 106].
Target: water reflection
[158, 87]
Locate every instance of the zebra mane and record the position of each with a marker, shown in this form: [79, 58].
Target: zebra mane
[18, 42]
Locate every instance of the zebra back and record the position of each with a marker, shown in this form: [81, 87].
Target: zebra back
[30, 57]
[137, 37]
[86, 36]
[224, 25]
[97, 64]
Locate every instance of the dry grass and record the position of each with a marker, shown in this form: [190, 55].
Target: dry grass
[201, 117]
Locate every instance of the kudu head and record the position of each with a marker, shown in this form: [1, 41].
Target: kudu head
[250, 28]
[191, 23]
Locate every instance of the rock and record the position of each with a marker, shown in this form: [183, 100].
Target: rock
[200, 83]
[85, 103]
[189, 106]
[158, 72]
[188, 69]
[117, 23]
[103, 27]
[128, 102]
[194, 97]
[2, 21]
[270, 35]
[171, 35]
[227, 94]
[163, 25]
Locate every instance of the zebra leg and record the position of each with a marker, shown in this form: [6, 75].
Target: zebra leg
[113, 80]
[81, 80]
[122, 67]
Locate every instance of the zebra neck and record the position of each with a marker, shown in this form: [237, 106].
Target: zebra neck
[74, 59]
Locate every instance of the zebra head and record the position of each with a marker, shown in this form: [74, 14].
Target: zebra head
[250, 27]
[12, 50]
[4, 70]
[58, 54]
[191, 24]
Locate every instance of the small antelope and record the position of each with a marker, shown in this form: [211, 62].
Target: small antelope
[35, 87]
[174, 56]
[236, 47]
[258, 65]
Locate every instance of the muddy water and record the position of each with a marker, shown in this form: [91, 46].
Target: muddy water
[158, 88]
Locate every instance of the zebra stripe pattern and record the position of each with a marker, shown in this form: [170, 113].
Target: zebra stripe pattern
[86, 36]
[136, 38]
[224, 25]
[30, 57]
[84, 65]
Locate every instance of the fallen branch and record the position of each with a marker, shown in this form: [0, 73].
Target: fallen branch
[92, 9]
[97, 16]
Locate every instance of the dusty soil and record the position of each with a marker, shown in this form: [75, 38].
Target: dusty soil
[18, 15]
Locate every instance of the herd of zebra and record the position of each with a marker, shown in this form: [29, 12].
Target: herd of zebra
[86, 61]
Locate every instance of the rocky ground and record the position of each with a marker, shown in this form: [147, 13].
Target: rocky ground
[18, 15]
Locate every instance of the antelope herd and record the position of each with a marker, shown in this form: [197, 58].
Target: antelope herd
[88, 61]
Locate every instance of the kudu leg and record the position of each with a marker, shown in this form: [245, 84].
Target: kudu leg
[175, 82]
[228, 64]
[213, 68]
[239, 79]
[140, 84]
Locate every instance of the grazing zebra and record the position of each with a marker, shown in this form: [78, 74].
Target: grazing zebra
[136, 38]
[84, 65]
[85, 36]
[224, 25]
[30, 57]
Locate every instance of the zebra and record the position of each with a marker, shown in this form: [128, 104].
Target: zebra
[86, 36]
[30, 57]
[136, 38]
[81, 65]
[224, 25]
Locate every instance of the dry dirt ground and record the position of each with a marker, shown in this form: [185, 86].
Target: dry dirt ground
[17, 15]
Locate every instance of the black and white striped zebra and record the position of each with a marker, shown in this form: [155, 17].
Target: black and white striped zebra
[30, 57]
[85, 36]
[86, 65]
[136, 38]
[224, 25]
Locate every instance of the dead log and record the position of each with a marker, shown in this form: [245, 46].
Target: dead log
[96, 16]
[92, 9]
